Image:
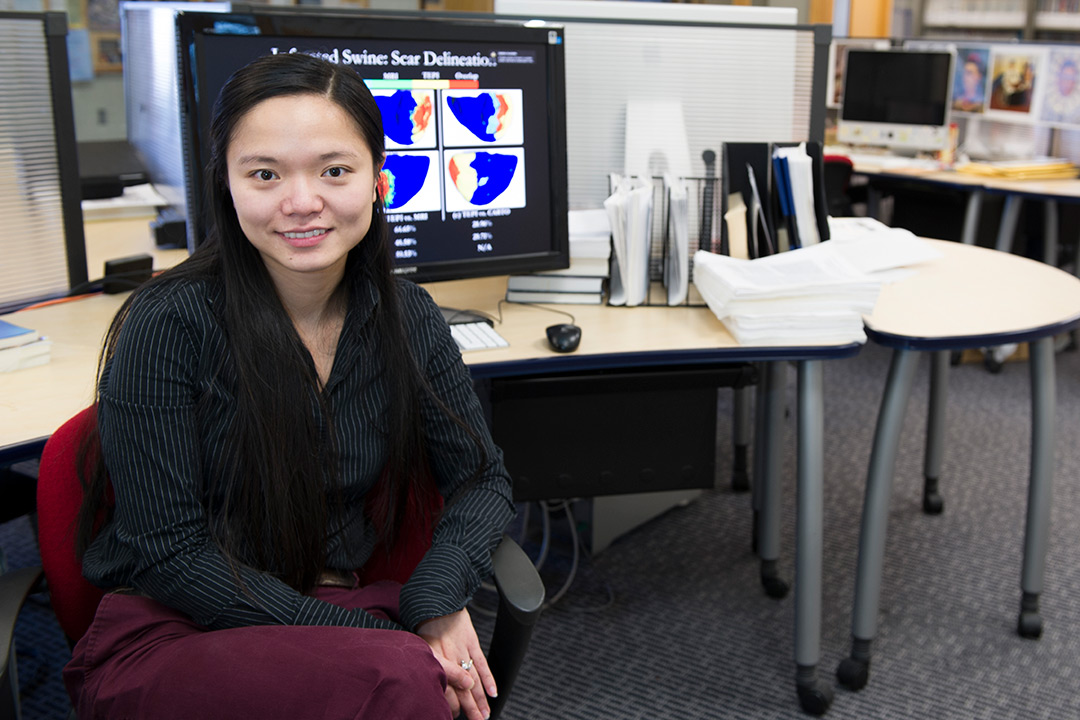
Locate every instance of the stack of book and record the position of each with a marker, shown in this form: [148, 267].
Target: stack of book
[21, 347]
[584, 282]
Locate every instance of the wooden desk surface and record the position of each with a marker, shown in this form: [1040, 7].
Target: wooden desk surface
[605, 330]
[35, 401]
[970, 293]
[974, 296]
[110, 239]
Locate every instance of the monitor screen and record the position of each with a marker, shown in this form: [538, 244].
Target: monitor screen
[473, 113]
[896, 98]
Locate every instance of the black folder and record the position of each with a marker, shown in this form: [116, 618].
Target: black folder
[734, 159]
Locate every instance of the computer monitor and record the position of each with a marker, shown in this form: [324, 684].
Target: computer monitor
[473, 114]
[897, 99]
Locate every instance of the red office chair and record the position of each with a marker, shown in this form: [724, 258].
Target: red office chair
[74, 600]
[838, 171]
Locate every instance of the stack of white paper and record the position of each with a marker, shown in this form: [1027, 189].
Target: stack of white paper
[590, 243]
[874, 247]
[629, 209]
[808, 296]
[815, 295]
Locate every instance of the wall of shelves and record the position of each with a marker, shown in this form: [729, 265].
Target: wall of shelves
[1055, 20]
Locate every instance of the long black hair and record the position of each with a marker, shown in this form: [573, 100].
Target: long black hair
[275, 514]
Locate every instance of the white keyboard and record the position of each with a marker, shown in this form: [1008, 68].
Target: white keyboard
[476, 336]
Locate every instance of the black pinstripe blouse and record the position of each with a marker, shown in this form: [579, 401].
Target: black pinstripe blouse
[156, 445]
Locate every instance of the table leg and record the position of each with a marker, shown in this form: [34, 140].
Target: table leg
[1010, 214]
[935, 433]
[815, 694]
[1050, 233]
[854, 671]
[995, 357]
[770, 480]
[1037, 531]
[971, 217]
[740, 473]
[873, 201]
[760, 450]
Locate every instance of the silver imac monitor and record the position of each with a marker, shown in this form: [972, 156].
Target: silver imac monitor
[897, 99]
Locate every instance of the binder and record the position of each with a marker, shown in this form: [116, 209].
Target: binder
[821, 210]
[782, 197]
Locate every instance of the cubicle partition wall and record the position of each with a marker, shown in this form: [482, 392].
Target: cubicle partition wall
[42, 240]
[646, 96]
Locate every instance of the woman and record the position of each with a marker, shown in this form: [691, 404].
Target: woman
[269, 411]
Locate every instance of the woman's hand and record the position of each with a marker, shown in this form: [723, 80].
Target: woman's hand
[453, 641]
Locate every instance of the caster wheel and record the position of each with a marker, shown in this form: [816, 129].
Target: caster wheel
[853, 674]
[1030, 625]
[954, 357]
[992, 364]
[933, 503]
[774, 587]
[815, 699]
[740, 481]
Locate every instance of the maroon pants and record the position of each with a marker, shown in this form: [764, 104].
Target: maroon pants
[140, 659]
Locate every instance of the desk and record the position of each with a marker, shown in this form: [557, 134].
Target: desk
[37, 400]
[1016, 192]
[972, 297]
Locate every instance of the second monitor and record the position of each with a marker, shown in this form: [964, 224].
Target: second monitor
[897, 99]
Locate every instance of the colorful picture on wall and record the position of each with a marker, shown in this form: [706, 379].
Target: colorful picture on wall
[1013, 84]
[105, 47]
[969, 80]
[1061, 91]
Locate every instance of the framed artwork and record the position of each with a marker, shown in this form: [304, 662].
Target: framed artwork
[1061, 90]
[105, 51]
[969, 80]
[1013, 78]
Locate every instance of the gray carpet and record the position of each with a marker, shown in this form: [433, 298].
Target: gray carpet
[671, 621]
[690, 634]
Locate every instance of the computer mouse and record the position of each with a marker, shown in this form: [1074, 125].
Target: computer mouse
[564, 337]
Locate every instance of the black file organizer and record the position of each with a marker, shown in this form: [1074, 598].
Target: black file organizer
[735, 157]
[707, 191]
[712, 192]
[821, 207]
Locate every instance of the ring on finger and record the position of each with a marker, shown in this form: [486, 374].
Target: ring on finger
[466, 664]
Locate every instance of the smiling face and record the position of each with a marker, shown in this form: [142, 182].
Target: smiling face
[303, 183]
